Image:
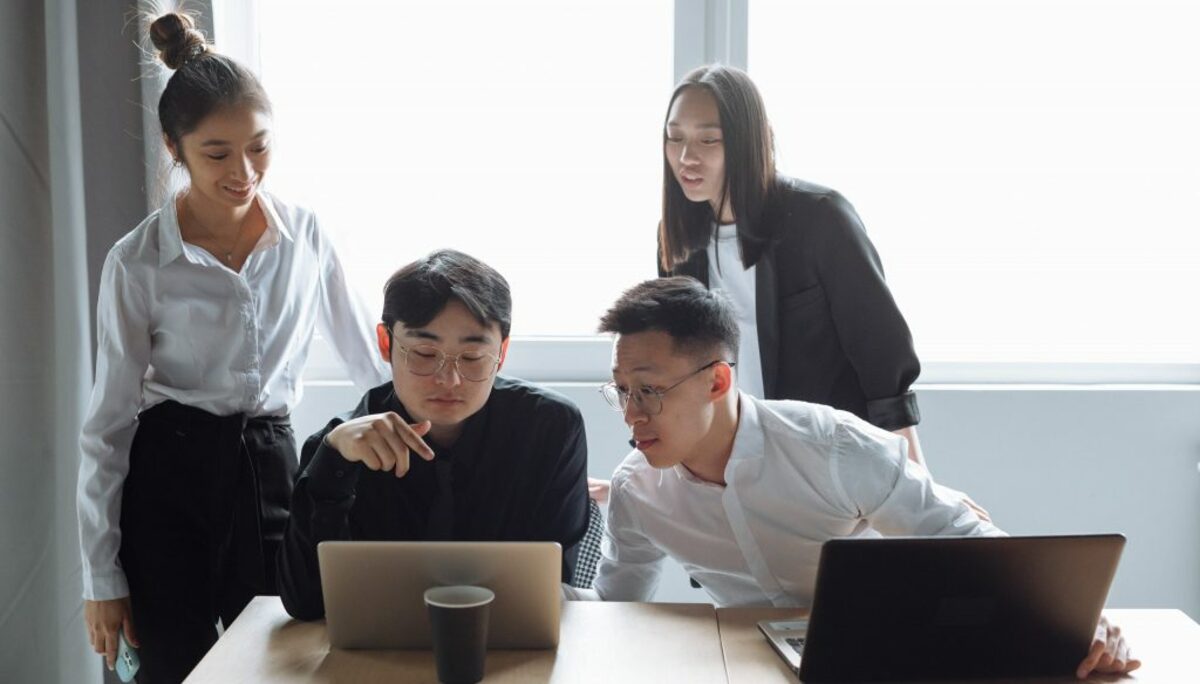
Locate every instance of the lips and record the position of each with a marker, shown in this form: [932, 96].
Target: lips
[643, 444]
[690, 180]
[444, 400]
[239, 191]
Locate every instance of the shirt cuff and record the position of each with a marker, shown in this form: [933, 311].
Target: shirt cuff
[894, 413]
[331, 477]
[105, 586]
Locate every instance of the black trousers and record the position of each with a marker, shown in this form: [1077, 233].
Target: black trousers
[202, 516]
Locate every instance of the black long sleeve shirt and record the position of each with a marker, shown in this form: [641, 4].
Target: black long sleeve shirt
[518, 472]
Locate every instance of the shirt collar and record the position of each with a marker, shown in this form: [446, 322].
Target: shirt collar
[748, 441]
[170, 240]
[170, 237]
[275, 224]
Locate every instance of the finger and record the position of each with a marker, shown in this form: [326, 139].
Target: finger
[1089, 662]
[110, 650]
[366, 454]
[414, 441]
[130, 632]
[97, 640]
[411, 435]
[402, 464]
[382, 451]
[394, 443]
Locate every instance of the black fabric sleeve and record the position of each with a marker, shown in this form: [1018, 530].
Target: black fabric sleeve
[870, 327]
[321, 503]
[562, 512]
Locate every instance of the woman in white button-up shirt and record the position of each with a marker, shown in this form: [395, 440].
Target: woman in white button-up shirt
[204, 319]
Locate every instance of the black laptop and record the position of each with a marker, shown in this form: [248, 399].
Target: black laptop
[906, 608]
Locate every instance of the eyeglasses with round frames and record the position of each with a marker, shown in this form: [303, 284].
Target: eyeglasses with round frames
[426, 360]
[648, 399]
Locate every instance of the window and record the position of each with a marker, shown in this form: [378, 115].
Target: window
[524, 133]
[1029, 171]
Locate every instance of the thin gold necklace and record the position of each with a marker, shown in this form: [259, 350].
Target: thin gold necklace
[237, 240]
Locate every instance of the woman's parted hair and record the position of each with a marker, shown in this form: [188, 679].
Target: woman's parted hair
[686, 226]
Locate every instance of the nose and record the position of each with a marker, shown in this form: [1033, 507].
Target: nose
[448, 374]
[243, 169]
[686, 155]
[634, 414]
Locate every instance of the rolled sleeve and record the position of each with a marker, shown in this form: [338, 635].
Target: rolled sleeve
[894, 413]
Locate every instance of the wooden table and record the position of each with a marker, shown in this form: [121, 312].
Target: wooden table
[655, 643]
[658, 643]
[1166, 641]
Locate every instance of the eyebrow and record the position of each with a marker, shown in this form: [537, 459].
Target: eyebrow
[216, 141]
[672, 124]
[638, 369]
[426, 335]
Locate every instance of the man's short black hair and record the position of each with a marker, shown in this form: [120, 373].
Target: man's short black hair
[417, 293]
[700, 321]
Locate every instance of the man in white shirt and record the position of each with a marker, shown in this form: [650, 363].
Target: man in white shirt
[743, 492]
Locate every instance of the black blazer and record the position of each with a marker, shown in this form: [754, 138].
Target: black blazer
[829, 331]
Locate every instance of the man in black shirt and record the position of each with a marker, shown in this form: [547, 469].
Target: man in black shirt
[447, 451]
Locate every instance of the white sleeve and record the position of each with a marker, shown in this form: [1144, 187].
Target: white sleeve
[630, 564]
[122, 357]
[346, 322]
[894, 494]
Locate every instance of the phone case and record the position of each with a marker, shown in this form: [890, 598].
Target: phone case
[127, 659]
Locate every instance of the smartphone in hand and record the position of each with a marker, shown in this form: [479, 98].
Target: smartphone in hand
[127, 659]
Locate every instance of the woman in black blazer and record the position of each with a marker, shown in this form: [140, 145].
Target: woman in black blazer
[792, 255]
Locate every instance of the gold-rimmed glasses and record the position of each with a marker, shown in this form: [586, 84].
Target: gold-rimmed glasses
[648, 399]
[475, 365]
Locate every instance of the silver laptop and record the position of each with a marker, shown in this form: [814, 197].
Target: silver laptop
[918, 608]
[374, 591]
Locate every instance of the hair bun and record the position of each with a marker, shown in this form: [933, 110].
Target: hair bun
[175, 37]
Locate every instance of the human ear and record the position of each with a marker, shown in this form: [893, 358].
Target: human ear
[722, 381]
[385, 342]
[503, 353]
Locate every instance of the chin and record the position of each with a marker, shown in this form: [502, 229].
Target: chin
[447, 414]
[659, 461]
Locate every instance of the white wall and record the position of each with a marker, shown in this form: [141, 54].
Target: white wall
[1042, 460]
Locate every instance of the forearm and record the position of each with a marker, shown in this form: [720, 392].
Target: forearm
[914, 443]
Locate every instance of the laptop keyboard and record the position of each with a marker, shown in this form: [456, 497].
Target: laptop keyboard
[796, 643]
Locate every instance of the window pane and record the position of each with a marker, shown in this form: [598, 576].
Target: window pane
[1029, 171]
[527, 134]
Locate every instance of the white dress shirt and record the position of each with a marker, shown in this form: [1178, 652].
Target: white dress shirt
[726, 273]
[799, 474]
[173, 322]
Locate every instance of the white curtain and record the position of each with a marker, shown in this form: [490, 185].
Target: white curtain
[44, 345]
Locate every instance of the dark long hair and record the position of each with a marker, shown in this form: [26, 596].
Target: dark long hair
[686, 226]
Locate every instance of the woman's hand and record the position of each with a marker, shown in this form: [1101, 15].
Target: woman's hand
[105, 620]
